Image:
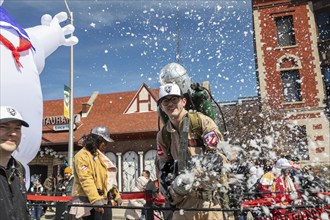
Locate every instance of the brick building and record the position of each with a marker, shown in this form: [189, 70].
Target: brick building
[292, 45]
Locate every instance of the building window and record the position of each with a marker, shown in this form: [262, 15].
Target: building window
[285, 31]
[130, 170]
[326, 79]
[291, 84]
[323, 24]
[326, 76]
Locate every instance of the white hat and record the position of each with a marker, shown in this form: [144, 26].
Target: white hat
[8, 113]
[282, 163]
[169, 89]
[253, 170]
[103, 132]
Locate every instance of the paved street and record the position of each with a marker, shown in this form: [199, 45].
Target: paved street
[117, 214]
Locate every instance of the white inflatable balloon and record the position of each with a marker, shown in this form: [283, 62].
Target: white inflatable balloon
[20, 66]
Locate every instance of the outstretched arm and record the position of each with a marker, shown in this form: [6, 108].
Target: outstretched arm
[48, 36]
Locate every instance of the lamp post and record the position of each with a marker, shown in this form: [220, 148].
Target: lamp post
[71, 121]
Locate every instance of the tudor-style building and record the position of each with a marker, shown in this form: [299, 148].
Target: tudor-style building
[131, 117]
[292, 44]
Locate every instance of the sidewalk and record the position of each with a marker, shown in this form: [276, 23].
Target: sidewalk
[117, 214]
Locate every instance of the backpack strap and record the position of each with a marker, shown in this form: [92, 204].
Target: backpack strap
[195, 124]
[196, 127]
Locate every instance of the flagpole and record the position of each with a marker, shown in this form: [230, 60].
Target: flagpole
[71, 121]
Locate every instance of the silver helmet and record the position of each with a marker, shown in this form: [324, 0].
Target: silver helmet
[174, 72]
[103, 132]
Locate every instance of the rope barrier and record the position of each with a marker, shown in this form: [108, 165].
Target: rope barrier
[124, 196]
[276, 200]
[142, 195]
[32, 197]
[273, 204]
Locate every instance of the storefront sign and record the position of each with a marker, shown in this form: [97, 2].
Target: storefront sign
[59, 120]
[63, 127]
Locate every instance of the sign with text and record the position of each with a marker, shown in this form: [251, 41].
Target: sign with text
[63, 127]
[58, 120]
[66, 102]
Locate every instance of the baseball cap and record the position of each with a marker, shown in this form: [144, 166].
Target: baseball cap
[103, 132]
[8, 113]
[68, 170]
[282, 163]
[169, 89]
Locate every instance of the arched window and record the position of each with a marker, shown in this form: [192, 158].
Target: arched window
[130, 170]
[289, 66]
[149, 163]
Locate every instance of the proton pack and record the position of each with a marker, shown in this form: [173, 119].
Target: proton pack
[198, 97]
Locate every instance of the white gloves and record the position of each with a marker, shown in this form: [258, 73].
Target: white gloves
[180, 187]
[182, 184]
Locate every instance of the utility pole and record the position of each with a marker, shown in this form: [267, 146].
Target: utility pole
[178, 35]
[71, 124]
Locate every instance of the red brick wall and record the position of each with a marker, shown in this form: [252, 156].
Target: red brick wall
[302, 50]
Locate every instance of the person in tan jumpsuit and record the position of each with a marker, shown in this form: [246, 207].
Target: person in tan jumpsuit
[172, 103]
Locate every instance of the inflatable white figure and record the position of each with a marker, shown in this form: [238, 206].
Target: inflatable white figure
[23, 54]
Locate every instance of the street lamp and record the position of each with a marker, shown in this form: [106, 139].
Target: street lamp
[71, 121]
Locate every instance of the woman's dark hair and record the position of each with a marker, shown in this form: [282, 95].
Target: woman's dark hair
[92, 142]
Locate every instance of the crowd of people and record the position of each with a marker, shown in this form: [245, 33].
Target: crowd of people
[192, 172]
[52, 186]
[281, 179]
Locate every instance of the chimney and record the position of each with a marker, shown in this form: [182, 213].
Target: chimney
[87, 106]
[206, 84]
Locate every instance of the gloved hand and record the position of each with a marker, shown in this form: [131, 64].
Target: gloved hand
[182, 184]
[180, 187]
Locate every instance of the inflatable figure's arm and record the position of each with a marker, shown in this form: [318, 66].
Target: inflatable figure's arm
[48, 36]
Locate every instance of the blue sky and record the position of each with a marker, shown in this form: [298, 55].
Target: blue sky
[126, 43]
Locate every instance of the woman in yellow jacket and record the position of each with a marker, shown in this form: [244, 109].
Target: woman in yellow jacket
[94, 177]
